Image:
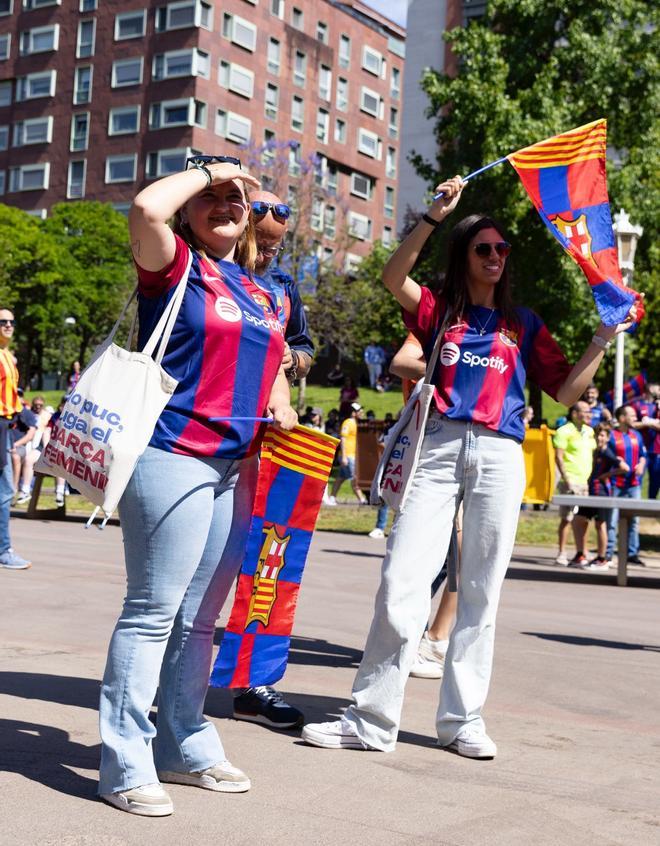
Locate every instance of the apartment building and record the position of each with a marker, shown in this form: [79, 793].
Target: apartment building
[97, 97]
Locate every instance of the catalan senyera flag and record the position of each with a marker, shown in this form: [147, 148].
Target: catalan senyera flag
[293, 472]
[566, 180]
[632, 390]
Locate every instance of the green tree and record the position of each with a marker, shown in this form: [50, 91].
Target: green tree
[531, 69]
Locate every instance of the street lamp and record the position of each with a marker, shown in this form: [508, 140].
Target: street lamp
[68, 322]
[627, 236]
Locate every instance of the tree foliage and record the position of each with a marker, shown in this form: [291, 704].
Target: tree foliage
[531, 69]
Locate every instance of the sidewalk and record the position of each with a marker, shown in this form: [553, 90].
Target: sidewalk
[573, 708]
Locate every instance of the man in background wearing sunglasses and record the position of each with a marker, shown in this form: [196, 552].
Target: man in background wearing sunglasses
[265, 704]
[10, 407]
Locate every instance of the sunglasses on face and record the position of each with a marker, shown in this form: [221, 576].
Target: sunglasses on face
[6, 322]
[259, 207]
[502, 248]
[206, 160]
[271, 251]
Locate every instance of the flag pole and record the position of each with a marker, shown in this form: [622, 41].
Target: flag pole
[476, 173]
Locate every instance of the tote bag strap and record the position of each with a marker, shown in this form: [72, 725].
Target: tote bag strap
[430, 367]
[168, 318]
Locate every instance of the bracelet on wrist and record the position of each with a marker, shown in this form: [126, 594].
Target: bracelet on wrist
[207, 173]
[292, 373]
[601, 342]
[431, 221]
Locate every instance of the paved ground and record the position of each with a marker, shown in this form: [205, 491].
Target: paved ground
[573, 708]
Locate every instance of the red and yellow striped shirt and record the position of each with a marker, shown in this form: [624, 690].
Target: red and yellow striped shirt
[10, 403]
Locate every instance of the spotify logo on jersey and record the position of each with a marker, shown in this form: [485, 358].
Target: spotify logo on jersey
[449, 354]
[227, 310]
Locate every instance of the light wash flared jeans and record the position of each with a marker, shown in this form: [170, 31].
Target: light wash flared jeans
[185, 522]
[459, 461]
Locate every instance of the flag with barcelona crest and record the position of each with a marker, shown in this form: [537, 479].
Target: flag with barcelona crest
[566, 180]
[293, 472]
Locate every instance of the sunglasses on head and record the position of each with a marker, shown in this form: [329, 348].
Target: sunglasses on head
[502, 248]
[7, 322]
[260, 207]
[205, 160]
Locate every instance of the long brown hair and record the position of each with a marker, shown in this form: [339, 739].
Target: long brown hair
[245, 253]
[454, 286]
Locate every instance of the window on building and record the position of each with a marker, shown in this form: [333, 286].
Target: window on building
[4, 137]
[37, 4]
[5, 93]
[372, 60]
[316, 216]
[387, 236]
[75, 180]
[277, 8]
[394, 122]
[297, 18]
[233, 127]
[82, 85]
[390, 163]
[34, 177]
[322, 32]
[395, 86]
[236, 78]
[124, 120]
[183, 14]
[127, 72]
[166, 162]
[295, 161]
[389, 202]
[86, 38]
[342, 94]
[3, 181]
[40, 39]
[361, 185]
[6, 7]
[177, 63]
[297, 113]
[36, 85]
[130, 25]
[268, 149]
[344, 51]
[79, 138]
[274, 56]
[87, 5]
[184, 112]
[33, 131]
[299, 68]
[340, 131]
[121, 168]
[359, 226]
[352, 263]
[322, 125]
[369, 144]
[272, 100]
[325, 82]
[330, 222]
[239, 31]
[5, 45]
[331, 179]
[371, 102]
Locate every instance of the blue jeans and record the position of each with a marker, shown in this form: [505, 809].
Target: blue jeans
[613, 522]
[653, 465]
[6, 496]
[381, 517]
[185, 522]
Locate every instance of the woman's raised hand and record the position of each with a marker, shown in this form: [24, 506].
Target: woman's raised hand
[226, 171]
[451, 192]
[634, 315]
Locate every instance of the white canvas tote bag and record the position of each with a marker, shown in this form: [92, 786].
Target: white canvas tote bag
[396, 468]
[109, 418]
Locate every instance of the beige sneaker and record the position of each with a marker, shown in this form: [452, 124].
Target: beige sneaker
[430, 658]
[222, 777]
[148, 800]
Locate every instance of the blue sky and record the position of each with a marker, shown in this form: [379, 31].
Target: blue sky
[393, 9]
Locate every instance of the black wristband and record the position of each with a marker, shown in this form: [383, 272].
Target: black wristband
[431, 221]
[205, 171]
[292, 373]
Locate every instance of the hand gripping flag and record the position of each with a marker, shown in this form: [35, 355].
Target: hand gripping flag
[293, 472]
[565, 179]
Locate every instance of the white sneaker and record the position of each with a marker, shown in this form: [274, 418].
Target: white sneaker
[338, 734]
[430, 660]
[148, 800]
[376, 533]
[331, 500]
[473, 743]
[22, 498]
[222, 777]
[562, 560]
[59, 498]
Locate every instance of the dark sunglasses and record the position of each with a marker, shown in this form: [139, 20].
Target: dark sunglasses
[271, 251]
[205, 160]
[260, 207]
[7, 322]
[502, 248]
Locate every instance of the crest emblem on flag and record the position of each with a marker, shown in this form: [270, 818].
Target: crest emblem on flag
[271, 561]
[576, 231]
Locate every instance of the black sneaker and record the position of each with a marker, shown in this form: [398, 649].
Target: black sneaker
[266, 705]
[635, 559]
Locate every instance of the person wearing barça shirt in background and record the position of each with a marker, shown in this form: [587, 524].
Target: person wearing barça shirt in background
[186, 510]
[648, 423]
[471, 453]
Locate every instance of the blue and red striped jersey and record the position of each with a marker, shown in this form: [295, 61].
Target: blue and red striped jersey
[225, 350]
[651, 437]
[484, 362]
[630, 447]
[604, 461]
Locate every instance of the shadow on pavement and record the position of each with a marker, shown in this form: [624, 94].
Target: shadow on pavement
[563, 574]
[63, 690]
[578, 640]
[44, 754]
[355, 552]
[314, 652]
